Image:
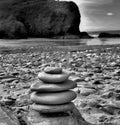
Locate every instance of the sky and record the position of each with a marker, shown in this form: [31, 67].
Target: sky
[99, 15]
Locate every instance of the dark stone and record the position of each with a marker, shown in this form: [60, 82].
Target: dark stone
[38, 18]
[108, 35]
[97, 82]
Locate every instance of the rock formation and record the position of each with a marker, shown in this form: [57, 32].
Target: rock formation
[38, 18]
[108, 35]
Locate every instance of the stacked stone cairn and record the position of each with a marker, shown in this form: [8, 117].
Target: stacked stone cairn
[52, 93]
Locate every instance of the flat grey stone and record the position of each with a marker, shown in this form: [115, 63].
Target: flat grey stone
[7, 118]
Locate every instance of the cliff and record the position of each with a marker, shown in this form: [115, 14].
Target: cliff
[38, 18]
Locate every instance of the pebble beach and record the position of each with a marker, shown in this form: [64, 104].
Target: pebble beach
[96, 71]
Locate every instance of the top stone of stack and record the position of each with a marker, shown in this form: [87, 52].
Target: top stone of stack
[53, 79]
[53, 70]
[53, 75]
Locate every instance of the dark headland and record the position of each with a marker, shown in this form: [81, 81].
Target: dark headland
[39, 19]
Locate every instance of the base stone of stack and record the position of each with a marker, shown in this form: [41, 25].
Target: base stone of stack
[71, 118]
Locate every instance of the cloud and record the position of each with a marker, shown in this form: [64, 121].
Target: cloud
[90, 1]
[96, 1]
[110, 14]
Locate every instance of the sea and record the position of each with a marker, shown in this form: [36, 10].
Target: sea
[59, 42]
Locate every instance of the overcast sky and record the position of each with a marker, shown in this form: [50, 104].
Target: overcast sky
[99, 15]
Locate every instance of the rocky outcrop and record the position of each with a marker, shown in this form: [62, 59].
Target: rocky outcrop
[85, 35]
[108, 35]
[38, 18]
